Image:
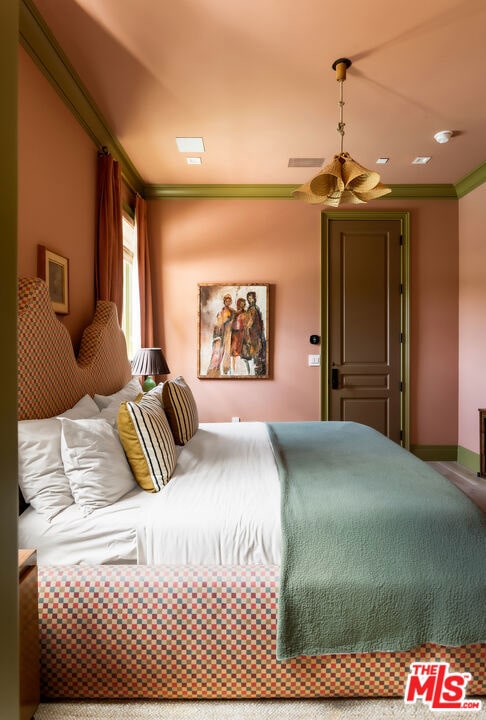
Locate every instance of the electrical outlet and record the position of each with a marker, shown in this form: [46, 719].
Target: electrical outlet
[314, 360]
[235, 419]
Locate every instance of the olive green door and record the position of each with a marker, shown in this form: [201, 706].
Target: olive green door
[364, 300]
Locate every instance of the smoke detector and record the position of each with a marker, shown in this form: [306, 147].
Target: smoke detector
[443, 136]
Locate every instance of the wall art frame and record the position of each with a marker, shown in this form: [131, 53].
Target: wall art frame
[54, 269]
[233, 331]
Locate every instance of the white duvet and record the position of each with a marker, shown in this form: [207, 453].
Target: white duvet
[221, 507]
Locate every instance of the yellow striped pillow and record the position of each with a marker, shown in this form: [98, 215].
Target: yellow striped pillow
[180, 406]
[147, 440]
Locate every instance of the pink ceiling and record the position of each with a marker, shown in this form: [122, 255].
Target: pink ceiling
[254, 79]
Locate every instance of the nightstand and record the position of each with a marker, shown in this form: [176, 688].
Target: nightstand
[28, 634]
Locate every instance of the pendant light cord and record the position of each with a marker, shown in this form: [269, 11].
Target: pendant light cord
[341, 123]
[342, 179]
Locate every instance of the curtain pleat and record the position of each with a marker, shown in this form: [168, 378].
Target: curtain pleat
[144, 276]
[109, 246]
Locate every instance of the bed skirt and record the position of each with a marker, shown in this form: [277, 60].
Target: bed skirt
[126, 632]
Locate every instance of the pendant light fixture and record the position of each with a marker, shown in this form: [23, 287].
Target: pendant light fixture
[343, 180]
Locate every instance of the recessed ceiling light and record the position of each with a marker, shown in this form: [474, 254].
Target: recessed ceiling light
[421, 160]
[194, 161]
[190, 144]
[382, 160]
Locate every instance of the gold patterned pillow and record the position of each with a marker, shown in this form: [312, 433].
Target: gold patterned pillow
[181, 409]
[147, 440]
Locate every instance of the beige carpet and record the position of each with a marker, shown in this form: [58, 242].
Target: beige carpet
[366, 709]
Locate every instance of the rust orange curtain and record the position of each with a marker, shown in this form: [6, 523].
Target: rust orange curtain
[144, 277]
[109, 246]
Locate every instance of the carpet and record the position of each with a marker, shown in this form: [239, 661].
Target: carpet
[326, 709]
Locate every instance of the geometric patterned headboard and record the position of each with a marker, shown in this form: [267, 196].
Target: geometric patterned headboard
[51, 378]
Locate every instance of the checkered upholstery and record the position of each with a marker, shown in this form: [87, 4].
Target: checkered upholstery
[50, 377]
[181, 632]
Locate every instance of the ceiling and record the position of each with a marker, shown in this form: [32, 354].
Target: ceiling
[253, 78]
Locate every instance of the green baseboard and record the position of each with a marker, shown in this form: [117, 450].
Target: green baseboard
[455, 453]
[468, 458]
[435, 452]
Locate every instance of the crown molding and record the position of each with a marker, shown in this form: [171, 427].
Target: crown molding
[437, 190]
[38, 41]
[471, 181]
[282, 191]
[218, 191]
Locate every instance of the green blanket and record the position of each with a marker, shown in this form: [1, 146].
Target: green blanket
[379, 552]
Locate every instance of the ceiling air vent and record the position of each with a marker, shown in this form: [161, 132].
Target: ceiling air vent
[305, 162]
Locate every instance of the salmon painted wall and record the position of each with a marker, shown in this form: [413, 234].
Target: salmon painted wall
[274, 241]
[56, 190]
[434, 321]
[262, 241]
[278, 241]
[472, 315]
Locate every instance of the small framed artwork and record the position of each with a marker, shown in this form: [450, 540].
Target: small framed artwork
[233, 331]
[54, 269]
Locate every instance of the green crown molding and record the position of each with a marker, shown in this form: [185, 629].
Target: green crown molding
[283, 191]
[43, 48]
[218, 191]
[471, 181]
[437, 190]
[40, 44]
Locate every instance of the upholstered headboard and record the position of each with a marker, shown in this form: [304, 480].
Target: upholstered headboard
[50, 377]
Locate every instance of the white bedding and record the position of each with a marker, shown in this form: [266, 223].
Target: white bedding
[107, 536]
[221, 507]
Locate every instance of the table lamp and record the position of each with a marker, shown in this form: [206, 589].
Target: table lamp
[149, 362]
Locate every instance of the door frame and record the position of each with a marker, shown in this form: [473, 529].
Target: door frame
[404, 218]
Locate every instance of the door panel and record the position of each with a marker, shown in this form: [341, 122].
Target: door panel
[369, 411]
[364, 323]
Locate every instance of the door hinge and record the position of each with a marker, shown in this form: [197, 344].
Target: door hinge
[401, 288]
[401, 434]
[401, 337]
[401, 386]
[401, 239]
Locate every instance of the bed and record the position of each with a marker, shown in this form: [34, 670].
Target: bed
[229, 569]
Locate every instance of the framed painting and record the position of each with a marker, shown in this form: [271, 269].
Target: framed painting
[233, 331]
[54, 269]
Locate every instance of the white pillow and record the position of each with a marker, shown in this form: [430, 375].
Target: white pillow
[94, 463]
[40, 469]
[131, 390]
[110, 413]
[84, 408]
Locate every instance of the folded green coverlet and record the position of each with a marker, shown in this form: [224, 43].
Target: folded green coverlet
[379, 552]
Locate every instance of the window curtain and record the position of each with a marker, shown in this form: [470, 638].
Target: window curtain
[109, 246]
[144, 277]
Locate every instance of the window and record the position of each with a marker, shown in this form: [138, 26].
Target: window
[130, 322]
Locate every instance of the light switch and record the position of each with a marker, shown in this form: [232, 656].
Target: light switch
[314, 360]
